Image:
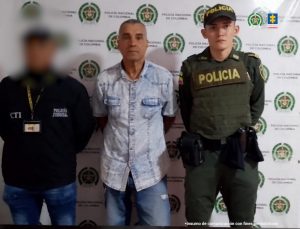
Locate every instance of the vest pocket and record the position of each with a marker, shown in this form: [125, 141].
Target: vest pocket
[114, 105]
[150, 106]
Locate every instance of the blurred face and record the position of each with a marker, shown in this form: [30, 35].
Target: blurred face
[39, 54]
[220, 33]
[132, 42]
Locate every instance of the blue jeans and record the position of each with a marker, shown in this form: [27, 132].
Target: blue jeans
[152, 204]
[26, 205]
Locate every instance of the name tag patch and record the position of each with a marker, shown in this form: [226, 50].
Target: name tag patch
[60, 113]
[218, 77]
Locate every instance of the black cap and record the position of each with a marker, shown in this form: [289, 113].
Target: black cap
[40, 33]
[217, 11]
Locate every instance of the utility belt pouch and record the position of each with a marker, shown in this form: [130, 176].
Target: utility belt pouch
[252, 148]
[191, 149]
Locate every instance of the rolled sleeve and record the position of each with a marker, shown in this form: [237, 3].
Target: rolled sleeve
[170, 106]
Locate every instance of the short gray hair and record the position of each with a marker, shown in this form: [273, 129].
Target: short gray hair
[131, 21]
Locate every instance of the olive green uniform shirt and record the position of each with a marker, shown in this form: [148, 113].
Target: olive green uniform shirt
[253, 66]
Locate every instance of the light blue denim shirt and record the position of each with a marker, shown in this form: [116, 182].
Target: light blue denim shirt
[134, 135]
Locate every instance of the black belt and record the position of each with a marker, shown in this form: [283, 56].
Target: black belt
[212, 144]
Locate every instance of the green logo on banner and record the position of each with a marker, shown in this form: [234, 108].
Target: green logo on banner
[174, 203]
[199, 14]
[31, 10]
[282, 152]
[220, 206]
[112, 42]
[87, 224]
[264, 13]
[147, 14]
[88, 177]
[284, 101]
[89, 70]
[261, 179]
[174, 43]
[287, 46]
[173, 150]
[261, 126]
[89, 13]
[237, 43]
[255, 20]
[279, 205]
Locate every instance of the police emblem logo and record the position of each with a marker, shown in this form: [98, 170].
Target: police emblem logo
[255, 20]
[89, 70]
[172, 150]
[279, 205]
[31, 10]
[261, 179]
[88, 177]
[284, 101]
[174, 43]
[287, 46]
[175, 204]
[261, 126]
[237, 43]
[220, 206]
[199, 14]
[147, 14]
[112, 42]
[89, 13]
[282, 152]
[264, 72]
[87, 224]
[263, 12]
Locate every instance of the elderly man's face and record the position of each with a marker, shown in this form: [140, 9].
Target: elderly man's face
[39, 54]
[132, 42]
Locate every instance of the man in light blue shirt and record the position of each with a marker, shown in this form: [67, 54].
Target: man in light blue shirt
[135, 103]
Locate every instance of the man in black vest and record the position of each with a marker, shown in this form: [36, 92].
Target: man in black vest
[45, 121]
[221, 97]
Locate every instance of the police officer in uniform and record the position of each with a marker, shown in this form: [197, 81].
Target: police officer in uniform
[45, 120]
[221, 97]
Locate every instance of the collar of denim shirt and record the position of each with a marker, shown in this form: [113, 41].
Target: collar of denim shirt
[124, 75]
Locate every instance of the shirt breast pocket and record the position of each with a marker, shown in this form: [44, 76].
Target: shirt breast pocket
[150, 107]
[113, 104]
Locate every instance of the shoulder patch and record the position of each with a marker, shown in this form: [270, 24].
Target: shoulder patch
[262, 72]
[235, 56]
[251, 54]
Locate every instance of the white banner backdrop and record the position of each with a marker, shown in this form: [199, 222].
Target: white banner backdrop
[174, 34]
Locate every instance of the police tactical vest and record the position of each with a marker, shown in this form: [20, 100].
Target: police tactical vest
[221, 97]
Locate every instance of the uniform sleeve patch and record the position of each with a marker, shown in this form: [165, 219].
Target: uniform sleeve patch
[262, 72]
